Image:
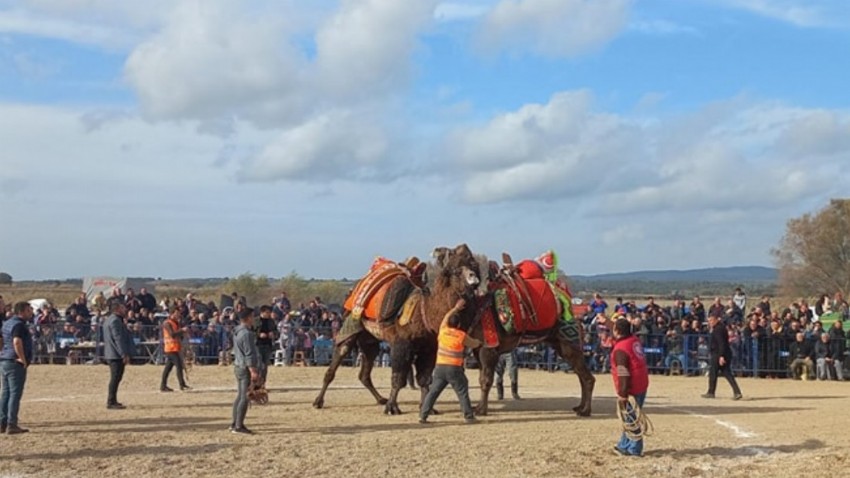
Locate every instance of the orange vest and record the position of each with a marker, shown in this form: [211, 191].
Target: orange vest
[450, 346]
[170, 343]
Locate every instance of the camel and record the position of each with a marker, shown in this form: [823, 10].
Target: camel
[537, 313]
[412, 338]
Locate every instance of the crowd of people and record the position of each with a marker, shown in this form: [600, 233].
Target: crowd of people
[305, 331]
[766, 340]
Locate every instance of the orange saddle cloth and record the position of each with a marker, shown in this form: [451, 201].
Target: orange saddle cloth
[368, 295]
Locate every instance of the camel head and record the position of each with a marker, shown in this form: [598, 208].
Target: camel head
[457, 267]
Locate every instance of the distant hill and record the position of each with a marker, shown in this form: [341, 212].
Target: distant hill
[732, 275]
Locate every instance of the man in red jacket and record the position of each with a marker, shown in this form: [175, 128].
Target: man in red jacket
[631, 378]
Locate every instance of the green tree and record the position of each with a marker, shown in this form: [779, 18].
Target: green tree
[5, 278]
[814, 255]
[248, 285]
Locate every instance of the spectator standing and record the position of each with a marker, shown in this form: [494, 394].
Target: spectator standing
[740, 298]
[246, 361]
[118, 348]
[15, 357]
[172, 345]
[721, 359]
[839, 305]
[598, 306]
[764, 305]
[147, 299]
[733, 314]
[717, 309]
[509, 362]
[838, 344]
[698, 310]
[2, 310]
[265, 340]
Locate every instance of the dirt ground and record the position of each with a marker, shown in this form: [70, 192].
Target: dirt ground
[781, 428]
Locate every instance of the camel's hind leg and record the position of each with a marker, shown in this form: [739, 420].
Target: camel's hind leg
[424, 362]
[401, 357]
[340, 351]
[370, 348]
[572, 353]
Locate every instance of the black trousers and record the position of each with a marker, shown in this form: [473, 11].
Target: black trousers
[172, 360]
[116, 374]
[726, 370]
[266, 352]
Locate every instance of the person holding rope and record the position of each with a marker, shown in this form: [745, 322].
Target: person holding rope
[631, 382]
[172, 343]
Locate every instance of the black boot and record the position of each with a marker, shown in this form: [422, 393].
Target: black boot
[500, 391]
[515, 391]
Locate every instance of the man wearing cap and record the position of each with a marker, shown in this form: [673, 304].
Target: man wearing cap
[721, 358]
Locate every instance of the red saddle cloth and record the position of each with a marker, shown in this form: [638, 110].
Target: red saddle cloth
[533, 303]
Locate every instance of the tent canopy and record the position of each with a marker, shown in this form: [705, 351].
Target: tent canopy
[93, 285]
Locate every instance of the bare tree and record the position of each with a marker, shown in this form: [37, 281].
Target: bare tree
[814, 255]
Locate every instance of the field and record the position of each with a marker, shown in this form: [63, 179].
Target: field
[781, 428]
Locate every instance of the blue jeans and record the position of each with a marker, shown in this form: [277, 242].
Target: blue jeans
[627, 446]
[14, 377]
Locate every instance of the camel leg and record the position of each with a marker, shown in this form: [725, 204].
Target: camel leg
[340, 351]
[370, 348]
[400, 355]
[426, 359]
[572, 353]
[487, 360]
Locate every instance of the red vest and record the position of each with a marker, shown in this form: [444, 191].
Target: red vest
[639, 375]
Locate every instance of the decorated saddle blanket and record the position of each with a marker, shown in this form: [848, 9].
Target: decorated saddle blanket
[382, 292]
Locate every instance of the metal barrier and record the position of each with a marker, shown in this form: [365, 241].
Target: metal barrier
[670, 353]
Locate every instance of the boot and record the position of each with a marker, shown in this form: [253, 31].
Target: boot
[515, 391]
[500, 391]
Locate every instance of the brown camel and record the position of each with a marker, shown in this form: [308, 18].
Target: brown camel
[564, 337]
[455, 274]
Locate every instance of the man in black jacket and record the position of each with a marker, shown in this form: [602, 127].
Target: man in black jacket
[801, 353]
[721, 358]
[117, 350]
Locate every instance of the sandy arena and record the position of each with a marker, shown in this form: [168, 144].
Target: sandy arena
[781, 428]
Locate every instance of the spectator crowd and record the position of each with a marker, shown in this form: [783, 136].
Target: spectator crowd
[767, 340]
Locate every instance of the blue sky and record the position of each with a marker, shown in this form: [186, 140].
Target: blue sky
[190, 138]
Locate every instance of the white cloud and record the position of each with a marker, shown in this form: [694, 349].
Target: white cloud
[555, 28]
[24, 22]
[337, 144]
[662, 28]
[212, 60]
[456, 11]
[365, 47]
[737, 154]
[541, 151]
[801, 13]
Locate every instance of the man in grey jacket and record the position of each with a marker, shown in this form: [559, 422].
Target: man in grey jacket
[246, 361]
[117, 349]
